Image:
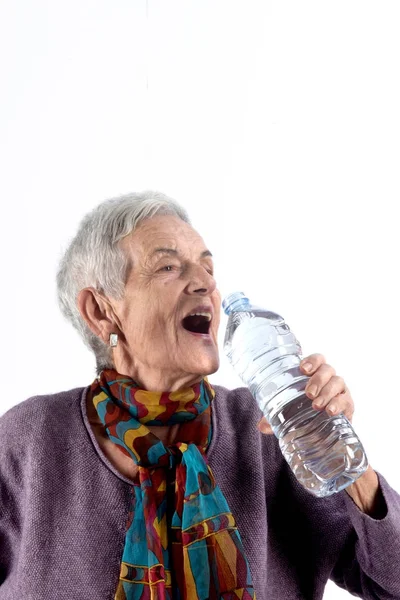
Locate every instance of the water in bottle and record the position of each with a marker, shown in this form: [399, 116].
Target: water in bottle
[323, 452]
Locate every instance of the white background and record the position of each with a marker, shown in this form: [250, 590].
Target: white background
[276, 124]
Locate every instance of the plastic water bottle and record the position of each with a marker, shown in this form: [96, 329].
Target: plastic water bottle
[323, 452]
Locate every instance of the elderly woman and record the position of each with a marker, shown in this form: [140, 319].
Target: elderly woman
[150, 482]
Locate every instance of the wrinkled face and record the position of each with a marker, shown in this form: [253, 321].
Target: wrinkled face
[171, 278]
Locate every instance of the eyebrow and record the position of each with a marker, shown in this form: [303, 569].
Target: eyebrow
[175, 252]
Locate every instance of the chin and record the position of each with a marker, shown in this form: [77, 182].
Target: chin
[207, 366]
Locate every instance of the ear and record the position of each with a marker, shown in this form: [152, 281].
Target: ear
[98, 313]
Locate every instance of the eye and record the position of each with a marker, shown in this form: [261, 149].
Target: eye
[167, 268]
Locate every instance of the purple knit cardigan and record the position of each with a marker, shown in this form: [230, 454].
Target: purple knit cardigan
[64, 510]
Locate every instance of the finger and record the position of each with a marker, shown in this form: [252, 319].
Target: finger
[315, 360]
[319, 380]
[342, 403]
[335, 385]
[264, 427]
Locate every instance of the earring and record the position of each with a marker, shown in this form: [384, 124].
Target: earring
[113, 340]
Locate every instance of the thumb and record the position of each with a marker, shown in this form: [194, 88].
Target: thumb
[264, 427]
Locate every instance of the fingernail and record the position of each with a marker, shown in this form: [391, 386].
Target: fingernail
[333, 408]
[307, 367]
[312, 391]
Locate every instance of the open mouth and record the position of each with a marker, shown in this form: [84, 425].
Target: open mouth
[197, 323]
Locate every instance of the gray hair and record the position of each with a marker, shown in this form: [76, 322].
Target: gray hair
[94, 257]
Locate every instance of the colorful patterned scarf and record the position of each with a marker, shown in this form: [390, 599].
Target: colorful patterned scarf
[182, 542]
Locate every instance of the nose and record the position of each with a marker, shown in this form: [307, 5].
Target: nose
[200, 281]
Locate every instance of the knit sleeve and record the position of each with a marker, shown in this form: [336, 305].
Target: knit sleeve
[4, 551]
[369, 564]
[11, 493]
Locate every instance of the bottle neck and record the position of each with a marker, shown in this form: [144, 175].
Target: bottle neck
[239, 305]
[235, 302]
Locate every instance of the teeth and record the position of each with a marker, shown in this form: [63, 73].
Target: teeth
[201, 314]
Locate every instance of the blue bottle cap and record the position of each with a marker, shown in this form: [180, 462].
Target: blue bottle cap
[234, 301]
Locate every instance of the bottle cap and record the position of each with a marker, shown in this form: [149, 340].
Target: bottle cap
[234, 301]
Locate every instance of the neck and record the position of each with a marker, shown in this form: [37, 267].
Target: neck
[158, 382]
